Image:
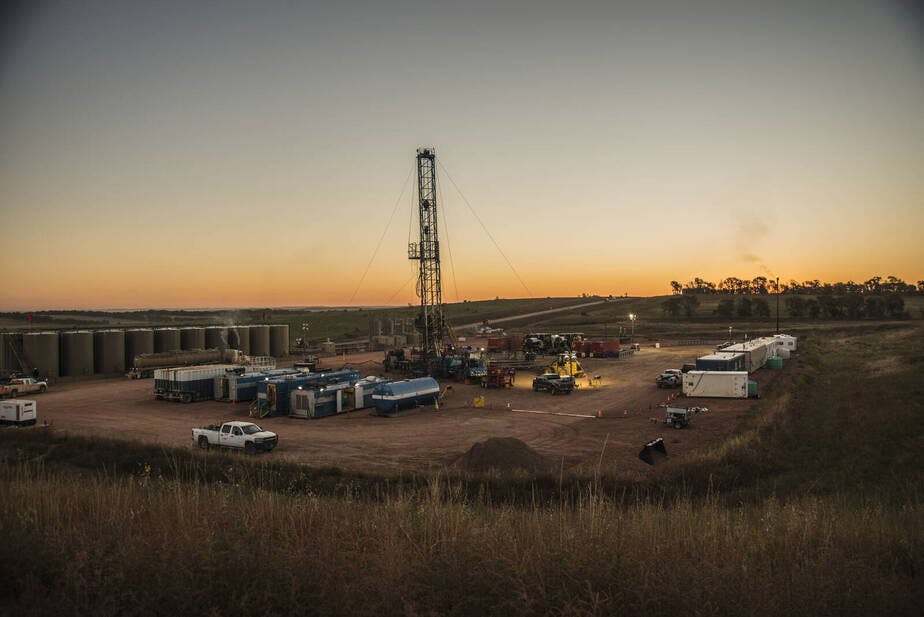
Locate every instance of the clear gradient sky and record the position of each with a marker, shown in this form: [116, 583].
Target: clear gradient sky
[193, 154]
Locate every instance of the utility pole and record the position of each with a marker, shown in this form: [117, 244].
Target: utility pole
[430, 321]
[777, 305]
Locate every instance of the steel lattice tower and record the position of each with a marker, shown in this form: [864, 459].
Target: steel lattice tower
[430, 321]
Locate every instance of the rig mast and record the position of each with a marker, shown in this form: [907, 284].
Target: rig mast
[430, 322]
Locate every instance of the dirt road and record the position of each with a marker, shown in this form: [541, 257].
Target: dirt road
[426, 439]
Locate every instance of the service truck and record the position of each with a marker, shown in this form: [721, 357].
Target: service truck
[17, 412]
[22, 385]
[242, 435]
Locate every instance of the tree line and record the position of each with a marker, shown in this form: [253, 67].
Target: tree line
[761, 285]
[823, 306]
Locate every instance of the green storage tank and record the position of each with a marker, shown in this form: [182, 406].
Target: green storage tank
[775, 363]
[752, 388]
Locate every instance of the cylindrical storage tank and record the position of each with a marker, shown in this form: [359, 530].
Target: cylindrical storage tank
[192, 338]
[216, 337]
[239, 338]
[109, 351]
[77, 353]
[167, 339]
[279, 340]
[137, 342]
[259, 340]
[40, 351]
[9, 342]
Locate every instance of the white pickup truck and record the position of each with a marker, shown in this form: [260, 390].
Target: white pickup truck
[22, 385]
[246, 435]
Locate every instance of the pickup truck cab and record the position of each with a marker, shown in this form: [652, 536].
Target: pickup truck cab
[246, 436]
[554, 383]
[671, 378]
[22, 385]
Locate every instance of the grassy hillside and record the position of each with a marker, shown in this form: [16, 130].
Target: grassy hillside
[813, 507]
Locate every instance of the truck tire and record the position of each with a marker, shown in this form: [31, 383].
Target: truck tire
[187, 397]
[13, 393]
[43, 389]
[203, 442]
[249, 448]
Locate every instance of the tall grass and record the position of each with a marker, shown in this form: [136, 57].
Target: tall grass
[135, 545]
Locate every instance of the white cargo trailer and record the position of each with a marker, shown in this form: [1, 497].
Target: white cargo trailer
[720, 384]
[18, 412]
[756, 351]
[787, 341]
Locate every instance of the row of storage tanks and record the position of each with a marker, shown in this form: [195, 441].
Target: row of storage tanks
[83, 352]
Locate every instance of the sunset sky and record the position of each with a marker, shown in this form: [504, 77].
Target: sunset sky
[190, 154]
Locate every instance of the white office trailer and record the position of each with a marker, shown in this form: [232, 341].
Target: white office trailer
[719, 384]
[757, 352]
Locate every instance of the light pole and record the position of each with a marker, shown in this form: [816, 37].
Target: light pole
[632, 318]
[729, 334]
[777, 305]
[305, 335]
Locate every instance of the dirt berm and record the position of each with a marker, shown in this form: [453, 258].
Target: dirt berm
[503, 454]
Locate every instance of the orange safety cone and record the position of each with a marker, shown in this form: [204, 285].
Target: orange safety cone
[599, 414]
[508, 406]
[625, 414]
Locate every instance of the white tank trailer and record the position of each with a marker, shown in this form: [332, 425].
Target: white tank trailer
[259, 340]
[718, 384]
[279, 340]
[109, 352]
[192, 338]
[77, 353]
[167, 339]
[138, 341]
[41, 351]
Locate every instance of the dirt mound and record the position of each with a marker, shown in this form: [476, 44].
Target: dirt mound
[503, 454]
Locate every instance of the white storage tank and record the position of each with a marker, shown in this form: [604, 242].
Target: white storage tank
[718, 384]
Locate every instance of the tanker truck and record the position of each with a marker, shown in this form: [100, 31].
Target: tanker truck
[145, 364]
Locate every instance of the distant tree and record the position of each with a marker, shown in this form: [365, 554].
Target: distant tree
[726, 308]
[921, 287]
[853, 306]
[873, 285]
[744, 308]
[895, 306]
[795, 306]
[813, 308]
[760, 307]
[676, 288]
[759, 285]
[672, 307]
[689, 304]
[874, 307]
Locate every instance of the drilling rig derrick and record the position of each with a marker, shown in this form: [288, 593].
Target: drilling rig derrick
[430, 321]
